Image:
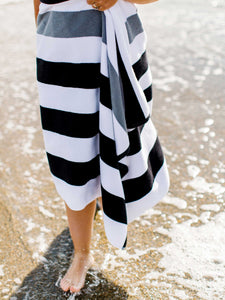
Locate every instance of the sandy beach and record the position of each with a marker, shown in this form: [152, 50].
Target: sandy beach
[176, 249]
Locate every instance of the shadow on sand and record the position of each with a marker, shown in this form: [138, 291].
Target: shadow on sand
[41, 283]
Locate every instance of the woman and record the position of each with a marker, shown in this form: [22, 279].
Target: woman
[95, 95]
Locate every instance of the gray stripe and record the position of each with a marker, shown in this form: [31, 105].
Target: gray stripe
[116, 91]
[104, 29]
[134, 27]
[70, 24]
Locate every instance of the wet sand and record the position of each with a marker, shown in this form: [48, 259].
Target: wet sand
[175, 250]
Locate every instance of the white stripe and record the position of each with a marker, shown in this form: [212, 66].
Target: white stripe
[75, 100]
[128, 8]
[116, 232]
[77, 197]
[71, 148]
[137, 47]
[111, 41]
[148, 135]
[104, 63]
[160, 188]
[110, 179]
[138, 163]
[48, 49]
[150, 105]
[146, 79]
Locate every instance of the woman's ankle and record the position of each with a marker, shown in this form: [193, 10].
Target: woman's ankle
[83, 251]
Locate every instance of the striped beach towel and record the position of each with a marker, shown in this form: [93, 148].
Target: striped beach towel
[95, 93]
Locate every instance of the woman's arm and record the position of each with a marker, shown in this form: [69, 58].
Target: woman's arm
[36, 9]
[141, 1]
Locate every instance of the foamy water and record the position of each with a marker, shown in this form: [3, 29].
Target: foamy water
[195, 257]
[193, 260]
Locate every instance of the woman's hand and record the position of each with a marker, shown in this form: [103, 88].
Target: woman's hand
[101, 4]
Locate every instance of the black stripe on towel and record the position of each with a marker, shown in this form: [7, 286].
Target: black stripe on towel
[138, 187]
[141, 66]
[125, 243]
[105, 97]
[114, 207]
[70, 124]
[73, 173]
[148, 93]
[135, 141]
[156, 158]
[80, 75]
[109, 155]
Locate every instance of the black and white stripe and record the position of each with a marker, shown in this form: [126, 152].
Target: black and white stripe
[95, 91]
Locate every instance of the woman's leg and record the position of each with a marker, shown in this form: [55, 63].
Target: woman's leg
[81, 228]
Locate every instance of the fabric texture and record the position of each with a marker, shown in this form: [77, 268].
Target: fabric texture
[95, 91]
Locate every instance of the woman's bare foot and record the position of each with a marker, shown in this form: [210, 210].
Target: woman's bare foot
[75, 276]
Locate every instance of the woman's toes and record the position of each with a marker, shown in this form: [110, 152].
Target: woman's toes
[65, 284]
[75, 289]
